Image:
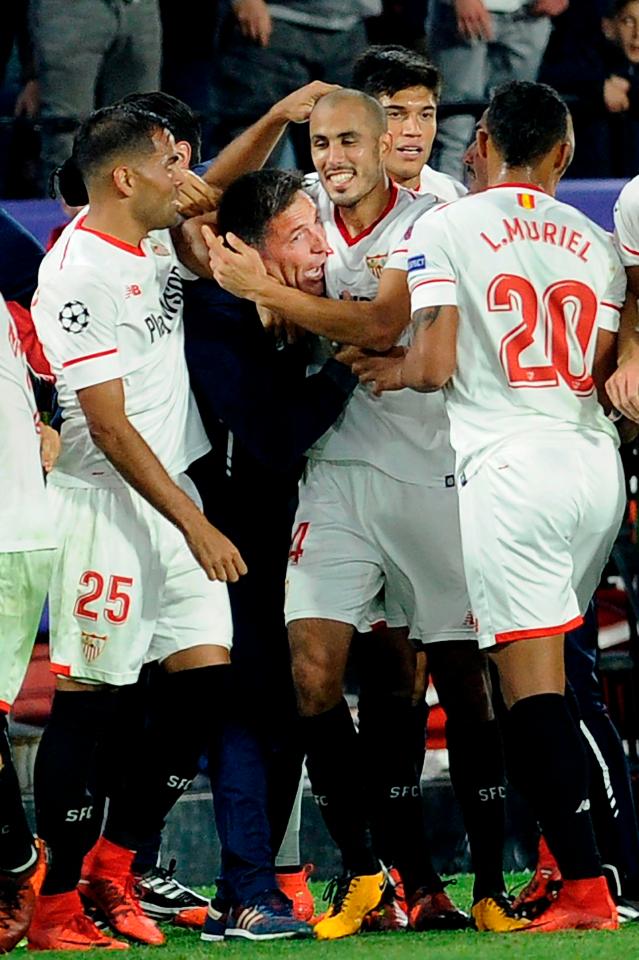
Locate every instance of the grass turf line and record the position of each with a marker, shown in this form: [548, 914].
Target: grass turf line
[463, 945]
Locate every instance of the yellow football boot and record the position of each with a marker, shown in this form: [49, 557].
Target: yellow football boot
[352, 897]
[496, 915]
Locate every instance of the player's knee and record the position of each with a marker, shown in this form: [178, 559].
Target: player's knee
[463, 686]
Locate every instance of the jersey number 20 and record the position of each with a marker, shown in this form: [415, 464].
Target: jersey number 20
[561, 331]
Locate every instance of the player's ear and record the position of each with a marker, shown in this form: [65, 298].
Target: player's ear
[563, 156]
[183, 148]
[608, 29]
[123, 180]
[385, 144]
[482, 143]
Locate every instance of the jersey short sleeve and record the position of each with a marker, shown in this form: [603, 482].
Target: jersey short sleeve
[609, 313]
[626, 216]
[431, 277]
[80, 316]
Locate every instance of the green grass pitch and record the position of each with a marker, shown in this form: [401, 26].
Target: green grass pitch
[466, 945]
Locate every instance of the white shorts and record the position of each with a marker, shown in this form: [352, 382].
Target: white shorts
[24, 580]
[358, 531]
[126, 589]
[538, 521]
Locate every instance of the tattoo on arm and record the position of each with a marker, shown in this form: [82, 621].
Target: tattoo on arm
[427, 316]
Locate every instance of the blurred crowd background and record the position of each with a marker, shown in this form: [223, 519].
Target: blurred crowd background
[230, 60]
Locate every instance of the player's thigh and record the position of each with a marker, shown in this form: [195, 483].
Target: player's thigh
[106, 584]
[194, 611]
[517, 49]
[280, 66]
[603, 502]
[24, 581]
[519, 515]
[68, 69]
[132, 65]
[417, 528]
[335, 570]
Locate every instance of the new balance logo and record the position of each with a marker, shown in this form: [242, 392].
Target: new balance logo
[132, 291]
[583, 807]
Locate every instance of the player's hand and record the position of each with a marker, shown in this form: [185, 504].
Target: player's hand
[214, 552]
[190, 245]
[297, 107]
[615, 94]
[474, 22]
[254, 20]
[49, 447]
[238, 270]
[382, 373]
[623, 388]
[196, 196]
[549, 8]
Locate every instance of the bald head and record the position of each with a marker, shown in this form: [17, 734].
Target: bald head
[352, 100]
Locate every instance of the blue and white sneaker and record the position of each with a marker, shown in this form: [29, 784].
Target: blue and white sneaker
[268, 916]
[217, 917]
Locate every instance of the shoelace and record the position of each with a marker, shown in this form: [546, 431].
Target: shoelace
[122, 898]
[336, 891]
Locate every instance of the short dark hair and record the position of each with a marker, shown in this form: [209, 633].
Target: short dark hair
[180, 119]
[615, 7]
[391, 68]
[112, 132]
[525, 120]
[251, 202]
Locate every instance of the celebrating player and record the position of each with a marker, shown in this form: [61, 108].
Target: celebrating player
[343, 551]
[26, 556]
[140, 572]
[408, 88]
[515, 300]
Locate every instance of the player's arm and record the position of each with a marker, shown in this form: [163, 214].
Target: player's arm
[113, 433]
[253, 147]
[622, 387]
[426, 366]
[373, 324]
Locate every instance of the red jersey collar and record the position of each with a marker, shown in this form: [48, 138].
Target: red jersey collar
[341, 226]
[122, 244]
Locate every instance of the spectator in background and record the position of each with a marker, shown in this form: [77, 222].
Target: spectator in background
[266, 50]
[477, 45]
[593, 57]
[89, 54]
[18, 99]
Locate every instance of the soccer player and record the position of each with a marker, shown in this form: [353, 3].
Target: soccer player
[27, 541]
[408, 87]
[515, 300]
[614, 816]
[395, 458]
[140, 574]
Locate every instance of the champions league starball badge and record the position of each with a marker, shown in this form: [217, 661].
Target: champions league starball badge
[74, 317]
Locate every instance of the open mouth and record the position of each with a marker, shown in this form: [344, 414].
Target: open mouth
[317, 273]
[340, 178]
[411, 153]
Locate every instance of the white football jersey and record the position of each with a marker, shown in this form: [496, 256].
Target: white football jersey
[105, 310]
[627, 224]
[533, 279]
[24, 514]
[404, 434]
[441, 185]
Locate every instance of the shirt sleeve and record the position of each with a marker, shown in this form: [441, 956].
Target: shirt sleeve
[400, 239]
[626, 217]
[431, 276]
[609, 313]
[76, 320]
